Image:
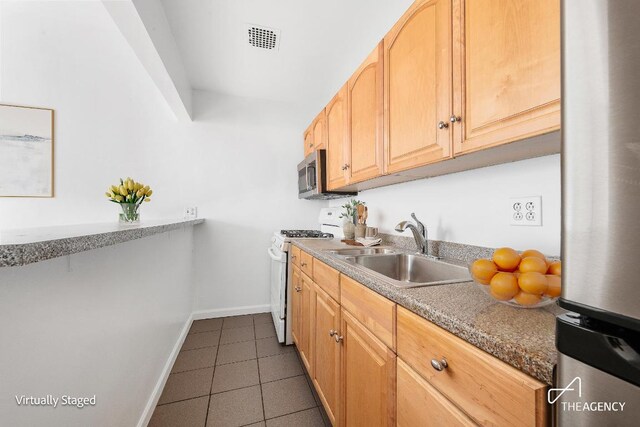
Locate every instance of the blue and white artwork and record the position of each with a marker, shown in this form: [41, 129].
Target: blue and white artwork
[26, 152]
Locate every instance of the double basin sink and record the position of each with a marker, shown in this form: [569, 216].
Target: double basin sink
[405, 270]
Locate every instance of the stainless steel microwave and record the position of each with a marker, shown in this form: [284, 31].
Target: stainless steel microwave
[312, 178]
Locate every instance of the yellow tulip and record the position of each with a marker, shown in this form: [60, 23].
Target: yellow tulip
[147, 200]
[123, 190]
[129, 185]
[107, 194]
[146, 188]
[119, 198]
[149, 193]
[140, 193]
[137, 186]
[114, 189]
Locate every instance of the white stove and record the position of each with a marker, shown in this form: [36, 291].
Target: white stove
[281, 267]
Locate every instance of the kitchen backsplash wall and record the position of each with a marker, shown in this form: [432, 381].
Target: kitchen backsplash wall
[473, 207]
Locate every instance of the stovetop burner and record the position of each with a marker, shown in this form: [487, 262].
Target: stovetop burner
[306, 234]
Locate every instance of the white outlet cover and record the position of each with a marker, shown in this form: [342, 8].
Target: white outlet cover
[525, 211]
[191, 212]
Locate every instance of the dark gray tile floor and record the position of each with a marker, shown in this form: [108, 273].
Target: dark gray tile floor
[233, 372]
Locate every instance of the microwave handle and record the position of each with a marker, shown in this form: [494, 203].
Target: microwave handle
[306, 177]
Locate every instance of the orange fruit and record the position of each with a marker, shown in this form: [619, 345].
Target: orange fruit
[555, 268]
[533, 253]
[504, 286]
[533, 264]
[555, 286]
[506, 259]
[533, 282]
[483, 270]
[524, 298]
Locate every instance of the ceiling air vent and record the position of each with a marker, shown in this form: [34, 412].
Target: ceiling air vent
[263, 37]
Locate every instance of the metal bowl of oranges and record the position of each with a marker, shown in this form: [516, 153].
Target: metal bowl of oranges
[523, 280]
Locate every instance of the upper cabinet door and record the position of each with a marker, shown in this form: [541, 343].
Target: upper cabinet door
[366, 88]
[506, 71]
[417, 86]
[337, 132]
[319, 127]
[308, 141]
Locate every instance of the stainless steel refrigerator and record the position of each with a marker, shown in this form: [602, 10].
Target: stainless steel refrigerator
[598, 376]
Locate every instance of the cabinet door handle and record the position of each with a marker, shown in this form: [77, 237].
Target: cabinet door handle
[439, 365]
[454, 118]
[303, 264]
[293, 257]
[338, 338]
[298, 289]
[443, 125]
[332, 332]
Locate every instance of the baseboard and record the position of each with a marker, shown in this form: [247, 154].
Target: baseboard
[235, 311]
[157, 391]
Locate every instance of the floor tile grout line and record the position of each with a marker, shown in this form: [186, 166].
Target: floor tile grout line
[206, 418]
[294, 412]
[182, 400]
[264, 413]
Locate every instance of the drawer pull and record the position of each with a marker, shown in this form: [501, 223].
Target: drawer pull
[439, 366]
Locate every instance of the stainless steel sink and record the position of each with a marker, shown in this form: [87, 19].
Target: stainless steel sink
[362, 251]
[411, 271]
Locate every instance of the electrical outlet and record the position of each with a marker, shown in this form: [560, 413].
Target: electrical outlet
[526, 211]
[191, 212]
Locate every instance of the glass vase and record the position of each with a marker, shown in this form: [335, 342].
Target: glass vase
[130, 214]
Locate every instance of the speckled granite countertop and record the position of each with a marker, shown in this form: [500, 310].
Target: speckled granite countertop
[26, 246]
[523, 338]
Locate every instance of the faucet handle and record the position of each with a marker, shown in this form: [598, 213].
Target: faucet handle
[419, 224]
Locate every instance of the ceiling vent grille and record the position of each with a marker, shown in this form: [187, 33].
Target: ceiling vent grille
[263, 37]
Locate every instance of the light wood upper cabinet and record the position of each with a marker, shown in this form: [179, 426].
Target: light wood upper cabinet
[369, 377]
[366, 94]
[296, 302]
[418, 86]
[308, 141]
[319, 127]
[326, 376]
[337, 143]
[506, 71]
[307, 319]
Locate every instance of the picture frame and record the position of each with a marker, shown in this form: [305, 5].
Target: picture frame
[26, 151]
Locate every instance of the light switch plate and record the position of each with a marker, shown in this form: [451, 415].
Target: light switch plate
[526, 211]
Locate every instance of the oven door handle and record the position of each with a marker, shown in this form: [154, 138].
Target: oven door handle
[274, 256]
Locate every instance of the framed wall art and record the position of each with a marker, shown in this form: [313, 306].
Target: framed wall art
[26, 151]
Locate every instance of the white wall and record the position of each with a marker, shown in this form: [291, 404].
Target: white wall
[90, 330]
[110, 120]
[244, 183]
[102, 322]
[472, 207]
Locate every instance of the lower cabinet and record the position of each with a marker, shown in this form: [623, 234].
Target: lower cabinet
[326, 375]
[296, 301]
[369, 379]
[345, 334]
[419, 404]
[307, 320]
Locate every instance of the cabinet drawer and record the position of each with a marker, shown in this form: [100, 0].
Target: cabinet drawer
[374, 311]
[327, 278]
[487, 389]
[419, 404]
[295, 256]
[306, 263]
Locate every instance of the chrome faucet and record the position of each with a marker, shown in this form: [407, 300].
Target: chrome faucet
[419, 233]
